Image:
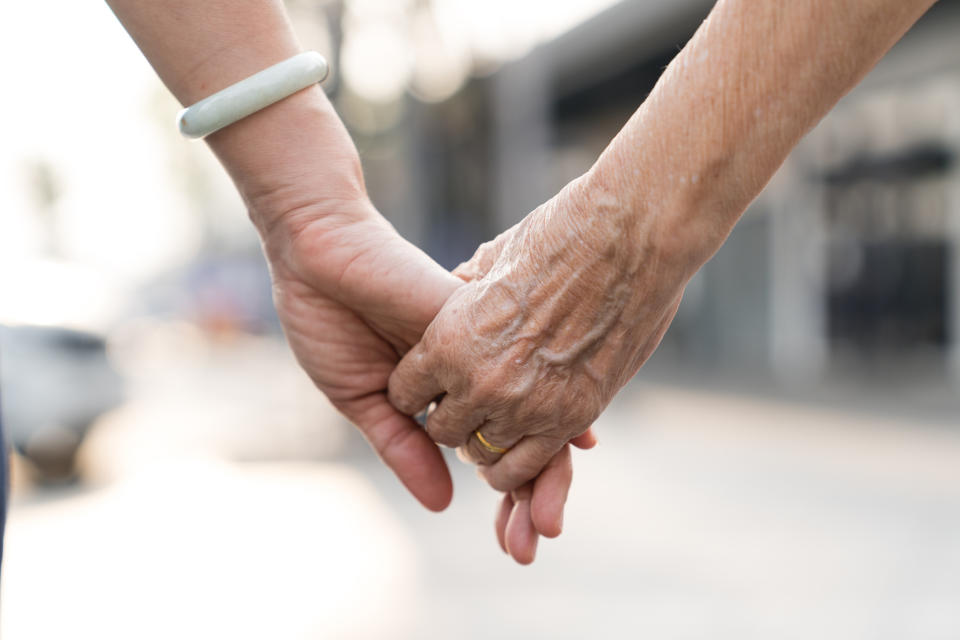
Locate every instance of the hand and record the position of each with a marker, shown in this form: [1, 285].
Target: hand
[351, 298]
[351, 294]
[564, 309]
[535, 508]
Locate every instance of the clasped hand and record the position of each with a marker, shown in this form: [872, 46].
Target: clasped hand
[558, 313]
[526, 343]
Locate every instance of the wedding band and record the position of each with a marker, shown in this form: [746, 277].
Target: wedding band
[492, 448]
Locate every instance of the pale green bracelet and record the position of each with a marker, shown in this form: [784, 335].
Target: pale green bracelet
[248, 96]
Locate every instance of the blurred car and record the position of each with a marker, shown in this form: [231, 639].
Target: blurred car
[221, 292]
[54, 383]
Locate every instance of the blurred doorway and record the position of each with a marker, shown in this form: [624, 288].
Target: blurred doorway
[889, 256]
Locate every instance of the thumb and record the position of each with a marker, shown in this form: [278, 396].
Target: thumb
[404, 447]
[412, 385]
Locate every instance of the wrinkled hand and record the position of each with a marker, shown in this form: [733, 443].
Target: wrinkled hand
[354, 295]
[532, 509]
[561, 312]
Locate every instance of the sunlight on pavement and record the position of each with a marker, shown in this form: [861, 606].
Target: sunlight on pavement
[203, 549]
[699, 515]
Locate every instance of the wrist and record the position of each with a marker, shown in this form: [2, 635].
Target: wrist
[291, 159]
[679, 215]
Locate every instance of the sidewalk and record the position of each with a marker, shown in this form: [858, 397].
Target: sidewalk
[700, 515]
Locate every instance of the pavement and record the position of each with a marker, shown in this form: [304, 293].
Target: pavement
[700, 515]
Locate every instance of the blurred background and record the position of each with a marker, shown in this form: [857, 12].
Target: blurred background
[787, 465]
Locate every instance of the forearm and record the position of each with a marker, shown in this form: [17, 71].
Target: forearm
[278, 156]
[756, 77]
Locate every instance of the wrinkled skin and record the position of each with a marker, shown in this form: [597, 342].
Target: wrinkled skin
[352, 296]
[556, 317]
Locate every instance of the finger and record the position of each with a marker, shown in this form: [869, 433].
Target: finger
[476, 452]
[586, 440]
[470, 270]
[503, 516]
[412, 385]
[405, 448]
[550, 491]
[521, 463]
[521, 536]
[482, 261]
[453, 422]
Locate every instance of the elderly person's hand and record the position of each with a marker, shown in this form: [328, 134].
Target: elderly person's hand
[568, 304]
[560, 311]
[353, 296]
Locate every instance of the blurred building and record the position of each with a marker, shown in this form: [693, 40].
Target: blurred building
[846, 265]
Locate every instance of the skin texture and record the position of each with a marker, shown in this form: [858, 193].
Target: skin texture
[552, 324]
[562, 309]
[352, 295]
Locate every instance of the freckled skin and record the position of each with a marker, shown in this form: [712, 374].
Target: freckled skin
[562, 310]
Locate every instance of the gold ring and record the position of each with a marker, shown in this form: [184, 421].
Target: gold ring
[492, 448]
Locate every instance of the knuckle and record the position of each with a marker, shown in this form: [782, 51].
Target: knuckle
[496, 389]
[485, 252]
[466, 272]
[442, 438]
[500, 482]
[485, 390]
[513, 395]
[402, 398]
[442, 432]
